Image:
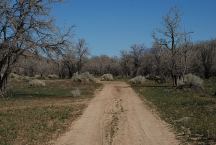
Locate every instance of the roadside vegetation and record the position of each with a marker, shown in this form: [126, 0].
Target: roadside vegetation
[192, 112]
[36, 114]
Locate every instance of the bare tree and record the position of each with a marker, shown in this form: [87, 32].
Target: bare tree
[26, 26]
[170, 37]
[81, 52]
[137, 51]
[69, 61]
[125, 63]
[186, 50]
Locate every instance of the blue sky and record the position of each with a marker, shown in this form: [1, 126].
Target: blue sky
[113, 25]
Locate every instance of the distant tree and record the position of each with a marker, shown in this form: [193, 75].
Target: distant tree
[125, 63]
[137, 52]
[207, 53]
[69, 61]
[81, 52]
[186, 49]
[158, 54]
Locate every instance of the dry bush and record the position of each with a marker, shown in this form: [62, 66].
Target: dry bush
[193, 81]
[85, 77]
[107, 77]
[15, 76]
[19, 77]
[37, 76]
[52, 76]
[138, 80]
[37, 83]
[76, 92]
[26, 78]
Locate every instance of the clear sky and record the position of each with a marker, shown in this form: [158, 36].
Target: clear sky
[113, 25]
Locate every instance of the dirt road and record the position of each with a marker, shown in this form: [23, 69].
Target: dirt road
[117, 116]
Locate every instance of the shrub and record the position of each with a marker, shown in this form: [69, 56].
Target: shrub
[76, 92]
[52, 76]
[107, 77]
[138, 80]
[83, 77]
[37, 83]
[193, 81]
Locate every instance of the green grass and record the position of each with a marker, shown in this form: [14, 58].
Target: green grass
[36, 115]
[54, 88]
[174, 104]
[210, 86]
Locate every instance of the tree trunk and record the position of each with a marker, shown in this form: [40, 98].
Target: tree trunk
[3, 82]
[206, 73]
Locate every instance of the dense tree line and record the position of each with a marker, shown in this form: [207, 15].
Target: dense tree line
[198, 58]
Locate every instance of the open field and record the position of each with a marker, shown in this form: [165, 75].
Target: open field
[192, 113]
[35, 115]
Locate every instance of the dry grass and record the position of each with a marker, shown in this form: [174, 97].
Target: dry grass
[35, 115]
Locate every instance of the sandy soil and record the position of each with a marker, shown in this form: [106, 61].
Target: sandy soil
[117, 116]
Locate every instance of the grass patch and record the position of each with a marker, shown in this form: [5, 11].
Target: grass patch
[36, 115]
[54, 88]
[193, 116]
[210, 86]
[35, 125]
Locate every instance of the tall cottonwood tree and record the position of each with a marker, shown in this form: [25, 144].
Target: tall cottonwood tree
[170, 37]
[25, 25]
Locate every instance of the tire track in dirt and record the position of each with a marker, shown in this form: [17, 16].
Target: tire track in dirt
[117, 116]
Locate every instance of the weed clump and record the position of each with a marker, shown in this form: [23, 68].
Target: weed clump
[138, 80]
[37, 83]
[76, 92]
[107, 77]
